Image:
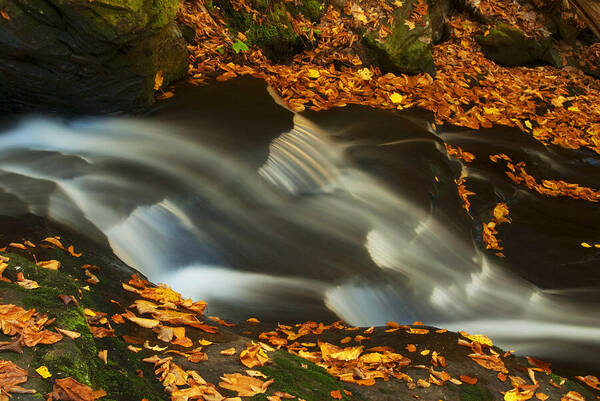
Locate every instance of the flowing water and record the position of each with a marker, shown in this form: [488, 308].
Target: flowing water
[351, 213]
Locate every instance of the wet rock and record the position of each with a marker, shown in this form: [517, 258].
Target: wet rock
[90, 57]
[274, 31]
[511, 47]
[408, 48]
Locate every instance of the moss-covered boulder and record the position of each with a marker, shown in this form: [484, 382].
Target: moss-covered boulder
[511, 47]
[273, 31]
[87, 56]
[408, 48]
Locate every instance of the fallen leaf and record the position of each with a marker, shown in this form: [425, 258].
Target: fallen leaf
[468, 379]
[336, 394]
[69, 389]
[245, 386]
[228, 351]
[158, 80]
[71, 334]
[43, 371]
[103, 355]
[312, 73]
[396, 98]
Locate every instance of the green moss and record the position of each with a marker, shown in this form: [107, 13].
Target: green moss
[311, 9]
[274, 35]
[471, 392]
[510, 46]
[311, 382]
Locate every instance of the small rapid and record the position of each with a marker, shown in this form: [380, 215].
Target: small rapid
[349, 214]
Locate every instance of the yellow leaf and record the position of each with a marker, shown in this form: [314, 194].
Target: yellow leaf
[528, 124]
[585, 245]
[396, 98]
[491, 110]
[253, 320]
[480, 338]
[573, 108]
[49, 264]
[43, 371]
[158, 80]
[365, 74]
[312, 73]
[411, 25]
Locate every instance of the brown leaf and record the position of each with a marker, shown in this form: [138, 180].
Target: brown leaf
[11, 375]
[69, 389]
[71, 334]
[245, 386]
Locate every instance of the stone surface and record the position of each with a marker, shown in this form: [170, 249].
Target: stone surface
[87, 57]
[509, 46]
[407, 49]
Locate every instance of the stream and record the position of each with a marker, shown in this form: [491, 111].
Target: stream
[350, 214]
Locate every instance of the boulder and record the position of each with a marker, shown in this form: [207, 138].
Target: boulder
[408, 49]
[511, 47]
[274, 31]
[84, 56]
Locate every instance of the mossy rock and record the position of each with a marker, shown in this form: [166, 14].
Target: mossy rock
[274, 35]
[510, 47]
[108, 51]
[405, 50]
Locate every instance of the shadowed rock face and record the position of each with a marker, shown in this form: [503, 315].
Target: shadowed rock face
[87, 57]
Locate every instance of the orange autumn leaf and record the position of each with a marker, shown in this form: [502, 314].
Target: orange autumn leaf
[69, 389]
[54, 241]
[49, 264]
[468, 379]
[71, 250]
[411, 348]
[253, 356]
[245, 386]
[591, 381]
[541, 396]
[336, 394]
[183, 342]
[572, 396]
[142, 322]
[11, 375]
[229, 351]
[101, 332]
[71, 334]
